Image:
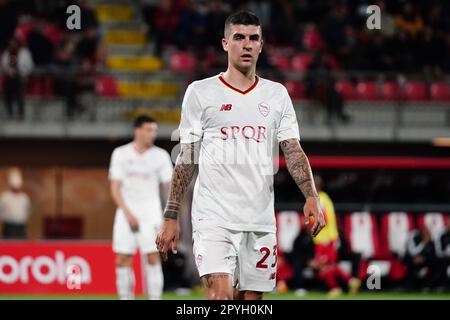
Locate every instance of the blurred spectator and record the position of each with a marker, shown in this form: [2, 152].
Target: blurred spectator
[326, 249]
[320, 86]
[263, 9]
[65, 74]
[174, 272]
[8, 21]
[86, 48]
[300, 257]
[387, 21]
[443, 254]
[431, 53]
[403, 49]
[409, 20]
[216, 20]
[14, 207]
[17, 64]
[377, 53]
[421, 260]
[88, 16]
[350, 52]
[334, 28]
[345, 253]
[436, 21]
[41, 47]
[164, 24]
[193, 25]
[147, 7]
[284, 24]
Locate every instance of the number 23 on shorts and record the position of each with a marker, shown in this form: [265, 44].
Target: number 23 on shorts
[261, 264]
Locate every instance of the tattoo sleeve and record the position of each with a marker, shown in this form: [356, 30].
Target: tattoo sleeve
[185, 167]
[298, 166]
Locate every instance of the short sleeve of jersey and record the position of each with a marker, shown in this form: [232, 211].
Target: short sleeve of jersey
[191, 129]
[165, 172]
[288, 128]
[116, 171]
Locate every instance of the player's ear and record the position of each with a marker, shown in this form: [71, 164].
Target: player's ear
[225, 44]
[262, 44]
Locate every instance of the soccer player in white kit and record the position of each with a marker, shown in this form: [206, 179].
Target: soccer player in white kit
[139, 172]
[229, 126]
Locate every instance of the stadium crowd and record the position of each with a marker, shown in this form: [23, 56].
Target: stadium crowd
[58, 59]
[414, 35]
[312, 38]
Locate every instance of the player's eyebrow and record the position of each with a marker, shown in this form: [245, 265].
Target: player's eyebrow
[237, 36]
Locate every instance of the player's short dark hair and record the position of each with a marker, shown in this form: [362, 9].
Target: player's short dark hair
[245, 18]
[140, 120]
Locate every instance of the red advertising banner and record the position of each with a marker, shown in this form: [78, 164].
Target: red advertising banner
[61, 267]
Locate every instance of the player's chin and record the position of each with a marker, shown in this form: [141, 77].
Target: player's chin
[245, 65]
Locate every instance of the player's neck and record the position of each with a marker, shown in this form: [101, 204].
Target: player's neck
[238, 79]
[141, 148]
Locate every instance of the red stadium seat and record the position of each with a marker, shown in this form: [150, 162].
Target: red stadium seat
[296, 89]
[332, 62]
[390, 90]
[33, 87]
[361, 231]
[415, 91]
[106, 86]
[288, 228]
[40, 86]
[281, 62]
[182, 61]
[367, 90]
[312, 39]
[440, 91]
[434, 221]
[395, 228]
[301, 62]
[345, 87]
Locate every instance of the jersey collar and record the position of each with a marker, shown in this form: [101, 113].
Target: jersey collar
[236, 89]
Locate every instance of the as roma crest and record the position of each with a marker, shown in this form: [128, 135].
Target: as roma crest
[264, 109]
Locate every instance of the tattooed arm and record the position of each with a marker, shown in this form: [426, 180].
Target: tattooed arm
[185, 167]
[298, 166]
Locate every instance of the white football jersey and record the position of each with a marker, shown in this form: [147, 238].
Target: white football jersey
[141, 175]
[239, 133]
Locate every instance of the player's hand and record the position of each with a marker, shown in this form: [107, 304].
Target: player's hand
[168, 237]
[313, 209]
[134, 224]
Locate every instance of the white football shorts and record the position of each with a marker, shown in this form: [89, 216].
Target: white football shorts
[250, 257]
[125, 241]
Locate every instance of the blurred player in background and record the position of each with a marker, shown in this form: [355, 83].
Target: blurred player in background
[326, 248]
[139, 171]
[230, 123]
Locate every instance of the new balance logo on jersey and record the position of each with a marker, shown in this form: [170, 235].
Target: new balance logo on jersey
[226, 107]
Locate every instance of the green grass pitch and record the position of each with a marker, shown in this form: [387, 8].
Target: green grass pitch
[273, 296]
